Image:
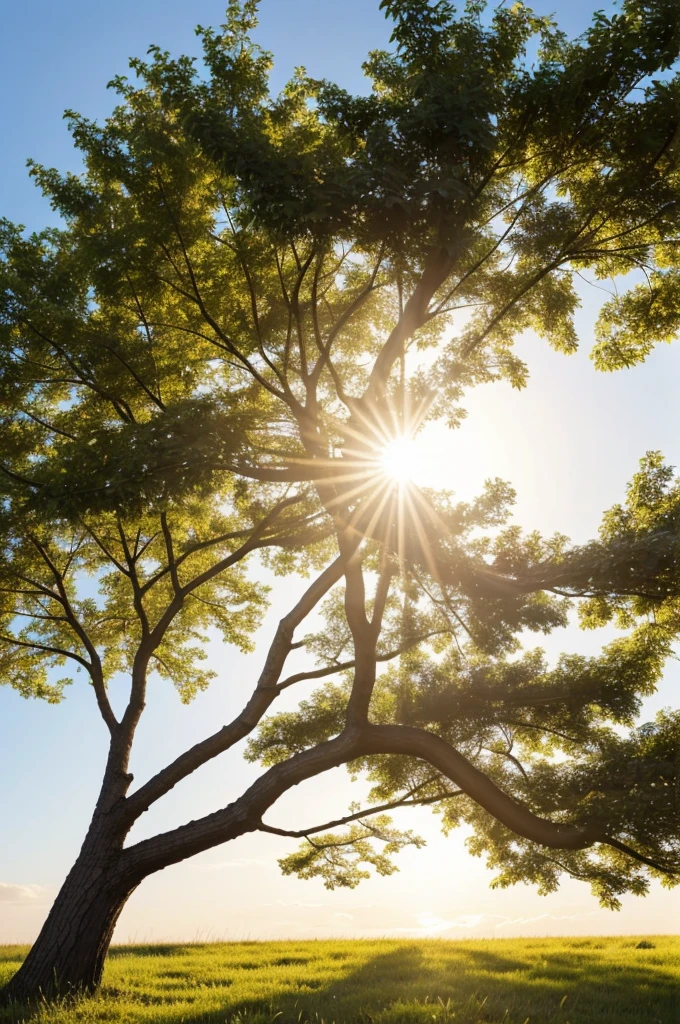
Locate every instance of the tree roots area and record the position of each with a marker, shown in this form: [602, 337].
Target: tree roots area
[626, 979]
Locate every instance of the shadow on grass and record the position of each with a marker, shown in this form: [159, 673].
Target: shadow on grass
[410, 983]
[452, 981]
[151, 949]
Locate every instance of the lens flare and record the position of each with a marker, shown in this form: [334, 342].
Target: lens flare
[400, 459]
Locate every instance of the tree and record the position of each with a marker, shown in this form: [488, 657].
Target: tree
[249, 297]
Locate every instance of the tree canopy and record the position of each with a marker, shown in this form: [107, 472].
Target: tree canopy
[249, 297]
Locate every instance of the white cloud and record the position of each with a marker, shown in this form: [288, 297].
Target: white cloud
[19, 893]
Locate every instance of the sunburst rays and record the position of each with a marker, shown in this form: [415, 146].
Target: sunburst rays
[400, 457]
[381, 454]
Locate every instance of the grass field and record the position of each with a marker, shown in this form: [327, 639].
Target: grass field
[498, 981]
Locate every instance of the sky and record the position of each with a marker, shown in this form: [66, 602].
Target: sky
[568, 444]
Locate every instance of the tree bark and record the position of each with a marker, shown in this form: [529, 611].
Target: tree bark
[68, 955]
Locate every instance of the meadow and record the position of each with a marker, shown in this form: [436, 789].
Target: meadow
[626, 980]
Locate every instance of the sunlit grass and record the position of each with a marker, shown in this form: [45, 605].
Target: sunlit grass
[512, 981]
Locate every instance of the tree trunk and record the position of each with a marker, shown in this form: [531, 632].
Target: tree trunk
[68, 955]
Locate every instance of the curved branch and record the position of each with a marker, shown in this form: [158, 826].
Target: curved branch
[263, 695]
[402, 739]
[60, 652]
[636, 855]
[359, 815]
[245, 813]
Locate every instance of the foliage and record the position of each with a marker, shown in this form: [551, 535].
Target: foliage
[248, 297]
[336, 858]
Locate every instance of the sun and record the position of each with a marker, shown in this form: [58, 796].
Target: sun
[400, 459]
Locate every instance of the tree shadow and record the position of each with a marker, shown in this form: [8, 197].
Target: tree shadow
[149, 949]
[464, 983]
[488, 961]
[456, 981]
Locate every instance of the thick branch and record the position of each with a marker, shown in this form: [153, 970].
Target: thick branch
[245, 814]
[263, 695]
[435, 273]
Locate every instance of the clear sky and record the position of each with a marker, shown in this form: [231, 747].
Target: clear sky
[568, 444]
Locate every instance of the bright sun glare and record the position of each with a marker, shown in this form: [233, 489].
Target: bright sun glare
[400, 458]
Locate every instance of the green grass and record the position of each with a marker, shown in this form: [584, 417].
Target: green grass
[496, 981]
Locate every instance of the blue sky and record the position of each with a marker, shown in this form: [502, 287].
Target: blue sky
[58, 56]
[568, 444]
